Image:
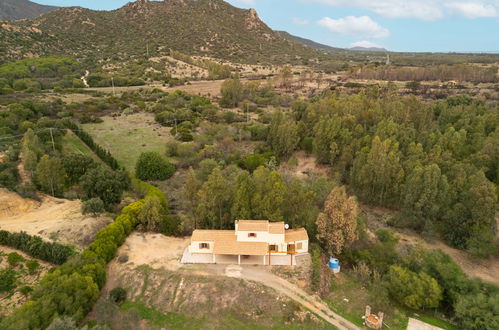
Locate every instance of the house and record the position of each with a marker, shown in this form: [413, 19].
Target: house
[257, 242]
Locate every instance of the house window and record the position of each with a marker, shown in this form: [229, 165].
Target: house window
[299, 246]
[204, 246]
[272, 247]
[252, 235]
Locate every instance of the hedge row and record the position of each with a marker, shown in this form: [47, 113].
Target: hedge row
[73, 288]
[102, 153]
[35, 247]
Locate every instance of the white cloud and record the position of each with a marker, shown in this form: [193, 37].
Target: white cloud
[365, 44]
[299, 21]
[246, 2]
[362, 26]
[472, 10]
[428, 10]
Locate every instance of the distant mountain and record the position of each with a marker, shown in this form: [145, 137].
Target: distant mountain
[369, 49]
[195, 27]
[307, 42]
[19, 9]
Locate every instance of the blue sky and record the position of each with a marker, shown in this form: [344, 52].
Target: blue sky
[398, 25]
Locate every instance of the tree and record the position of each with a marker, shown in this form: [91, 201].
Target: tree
[117, 295]
[93, 205]
[50, 175]
[478, 311]
[270, 193]
[336, 226]
[425, 195]
[190, 192]
[300, 206]
[106, 184]
[232, 93]
[326, 133]
[283, 135]
[377, 174]
[245, 188]
[413, 290]
[76, 165]
[215, 198]
[286, 76]
[152, 215]
[152, 166]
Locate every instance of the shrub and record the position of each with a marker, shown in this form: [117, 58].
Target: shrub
[117, 295]
[93, 205]
[26, 290]
[32, 266]
[152, 166]
[7, 279]
[14, 258]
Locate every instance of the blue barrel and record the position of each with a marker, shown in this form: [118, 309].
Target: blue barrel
[334, 263]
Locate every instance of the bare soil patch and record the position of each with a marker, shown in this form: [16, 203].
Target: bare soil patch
[53, 219]
[306, 166]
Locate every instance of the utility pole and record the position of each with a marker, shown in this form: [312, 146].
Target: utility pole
[112, 82]
[147, 49]
[52, 137]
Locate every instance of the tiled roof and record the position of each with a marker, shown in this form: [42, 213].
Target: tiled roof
[292, 235]
[241, 248]
[200, 235]
[276, 227]
[253, 225]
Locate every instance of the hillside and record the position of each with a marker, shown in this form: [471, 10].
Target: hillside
[307, 42]
[19, 9]
[203, 27]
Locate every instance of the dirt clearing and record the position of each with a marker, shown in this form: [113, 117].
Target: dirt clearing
[53, 219]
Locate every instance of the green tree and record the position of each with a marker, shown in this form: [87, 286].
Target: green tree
[413, 290]
[214, 204]
[76, 165]
[337, 225]
[152, 166]
[478, 311]
[326, 134]
[50, 175]
[270, 193]
[190, 193]
[106, 184]
[283, 135]
[245, 189]
[425, 195]
[152, 216]
[232, 93]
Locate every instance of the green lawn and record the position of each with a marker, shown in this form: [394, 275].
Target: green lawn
[72, 144]
[126, 137]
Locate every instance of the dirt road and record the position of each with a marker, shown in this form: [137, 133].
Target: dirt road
[312, 303]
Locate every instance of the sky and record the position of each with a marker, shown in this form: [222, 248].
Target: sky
[397, 25]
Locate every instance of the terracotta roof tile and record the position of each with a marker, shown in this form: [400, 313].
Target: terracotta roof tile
[200, 235]
[292, 235]
[241, 248]
[276, 227]
[253, 225]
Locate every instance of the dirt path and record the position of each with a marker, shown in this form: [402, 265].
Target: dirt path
[314, 304]
[84, 78]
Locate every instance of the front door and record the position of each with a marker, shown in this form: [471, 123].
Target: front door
[291, 248]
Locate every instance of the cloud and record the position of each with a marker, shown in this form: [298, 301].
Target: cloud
[473, 10]
[362, 26]
[365, 44]
[246, 2]
[428, 10]
[299, 21]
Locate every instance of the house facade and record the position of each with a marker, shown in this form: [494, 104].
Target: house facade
[252, 242]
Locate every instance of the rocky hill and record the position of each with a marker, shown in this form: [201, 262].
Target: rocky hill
[196, 27]
[19, 9]
[309, 43]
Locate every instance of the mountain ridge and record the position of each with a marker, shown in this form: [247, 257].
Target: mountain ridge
[21, 9]
[195, 27]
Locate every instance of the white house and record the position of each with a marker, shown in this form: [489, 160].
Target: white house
[252, 242]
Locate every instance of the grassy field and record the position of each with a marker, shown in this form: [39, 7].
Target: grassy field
[126, 137]
[72, 144]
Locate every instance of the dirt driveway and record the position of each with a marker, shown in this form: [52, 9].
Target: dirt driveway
[158, 251]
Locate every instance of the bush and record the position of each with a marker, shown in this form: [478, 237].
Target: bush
[14, 258]
[32, 266]
[117, 295]
[152, 166]
[7, 279]
[26, 290]
[93, 205]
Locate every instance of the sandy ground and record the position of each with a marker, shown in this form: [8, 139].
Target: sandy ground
[52, 218]
[158, 251]
[420, 325]
[307, 166]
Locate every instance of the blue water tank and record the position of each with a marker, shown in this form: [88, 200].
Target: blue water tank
[334, 263]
